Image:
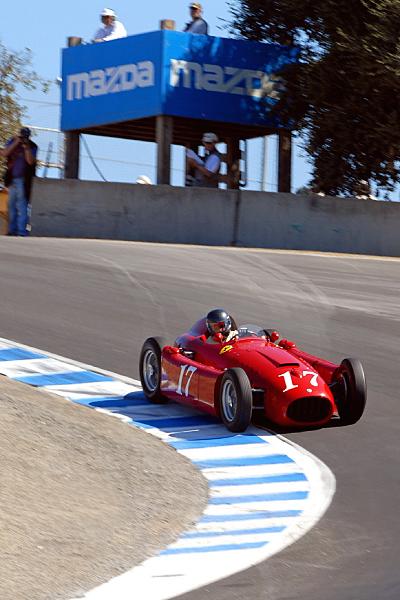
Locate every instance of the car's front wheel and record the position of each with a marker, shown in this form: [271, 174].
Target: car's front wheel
[351, 391]
[150, 369]
[235, 400]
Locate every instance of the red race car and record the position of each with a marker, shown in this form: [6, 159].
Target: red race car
[252, 372]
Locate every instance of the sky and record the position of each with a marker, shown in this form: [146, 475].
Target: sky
[44, 26]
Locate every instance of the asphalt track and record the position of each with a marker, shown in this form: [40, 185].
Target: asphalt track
[96, 302]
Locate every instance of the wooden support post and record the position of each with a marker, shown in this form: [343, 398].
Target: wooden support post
[73, 40]
[71, 170]
[167, 24]
[164, 129]
[233, 163]
[285, 161]
[71, 139]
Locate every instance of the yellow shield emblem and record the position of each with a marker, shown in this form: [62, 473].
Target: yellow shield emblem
[225, 349]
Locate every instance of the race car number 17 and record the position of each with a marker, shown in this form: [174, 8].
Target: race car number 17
[290, 385]
[186, 373]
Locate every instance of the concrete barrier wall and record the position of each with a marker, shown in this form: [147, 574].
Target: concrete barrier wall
[319, 223]
[73, 208]
[118, 211]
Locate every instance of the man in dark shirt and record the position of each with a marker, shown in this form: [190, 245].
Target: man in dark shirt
[20, 153]
[197, 24]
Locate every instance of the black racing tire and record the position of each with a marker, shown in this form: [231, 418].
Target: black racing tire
[150, 369]
[351, 396]
[235, 400]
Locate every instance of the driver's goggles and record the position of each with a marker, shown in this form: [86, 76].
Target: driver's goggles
[216, 327]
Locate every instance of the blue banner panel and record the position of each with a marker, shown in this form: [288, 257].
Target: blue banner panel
[110, 82]
[222, 79]
[172, 73]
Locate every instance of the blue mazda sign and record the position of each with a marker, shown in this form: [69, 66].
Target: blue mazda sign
[172, 73]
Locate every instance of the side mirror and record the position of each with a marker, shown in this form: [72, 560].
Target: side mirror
[272, 335]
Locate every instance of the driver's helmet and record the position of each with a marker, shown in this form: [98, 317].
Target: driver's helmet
[218, 321]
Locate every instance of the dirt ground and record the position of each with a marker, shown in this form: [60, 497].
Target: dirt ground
[83, 496]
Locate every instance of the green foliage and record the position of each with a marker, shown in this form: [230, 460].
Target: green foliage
[15, 74]
[344, 94]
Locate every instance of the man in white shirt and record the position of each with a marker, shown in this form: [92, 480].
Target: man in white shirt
[112, 29]
[205, 170]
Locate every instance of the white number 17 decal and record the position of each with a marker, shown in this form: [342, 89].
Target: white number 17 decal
[287, 377]
[186, 371]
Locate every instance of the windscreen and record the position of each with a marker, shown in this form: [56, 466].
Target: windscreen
[251, 330]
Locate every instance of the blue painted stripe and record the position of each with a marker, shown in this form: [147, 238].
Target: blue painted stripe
[221, 548]
[142, 425]
[235, 440]
[205, 534]
[268, 459]
[177, 422]
[19, 354]
[112, 401]
[284, 477]
[279, 496]
[63, 378]
[264, 514]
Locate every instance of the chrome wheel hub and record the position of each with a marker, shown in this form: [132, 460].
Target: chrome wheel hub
[229, 401]
[151, 373]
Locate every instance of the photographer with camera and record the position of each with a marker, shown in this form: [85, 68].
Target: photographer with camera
[20, 153]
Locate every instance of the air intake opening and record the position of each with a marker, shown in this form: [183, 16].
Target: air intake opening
[309, 409]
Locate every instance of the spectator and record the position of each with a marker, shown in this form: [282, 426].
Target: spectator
[197, 24]
[204, 172]
[112, 29]
[143, 179]
[20, 153]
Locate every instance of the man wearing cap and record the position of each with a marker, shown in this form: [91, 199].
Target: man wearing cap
[205, 170]
[20, 153]
[112, 29]
[197, 24]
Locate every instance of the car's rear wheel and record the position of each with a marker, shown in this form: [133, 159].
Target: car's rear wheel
[235, 400]
[350, 391]
[150, 369]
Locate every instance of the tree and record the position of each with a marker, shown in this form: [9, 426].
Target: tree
[15, 73]
[343, 95]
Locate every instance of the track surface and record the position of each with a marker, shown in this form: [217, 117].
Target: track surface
[96, 302]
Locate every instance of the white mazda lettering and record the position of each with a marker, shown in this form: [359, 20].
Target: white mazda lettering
[228, 80]
[111, 80]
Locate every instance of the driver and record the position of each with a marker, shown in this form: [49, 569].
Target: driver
[221, 328]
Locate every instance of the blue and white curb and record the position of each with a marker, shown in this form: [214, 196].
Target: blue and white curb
[264, 491]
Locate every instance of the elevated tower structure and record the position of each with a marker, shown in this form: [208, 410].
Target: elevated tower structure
[169, 87]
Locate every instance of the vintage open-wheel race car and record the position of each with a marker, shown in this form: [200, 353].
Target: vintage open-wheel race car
[252, 372]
